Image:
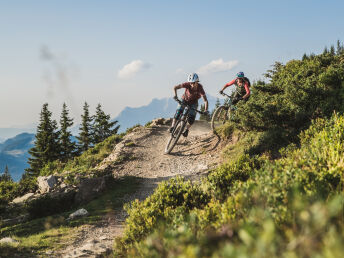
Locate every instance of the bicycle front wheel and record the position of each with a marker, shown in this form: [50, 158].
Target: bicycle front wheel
[220, 116]
[177, 131]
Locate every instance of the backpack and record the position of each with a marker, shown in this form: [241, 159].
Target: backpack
[248, 81]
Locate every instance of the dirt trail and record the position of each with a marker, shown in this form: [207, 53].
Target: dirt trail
[141, 154]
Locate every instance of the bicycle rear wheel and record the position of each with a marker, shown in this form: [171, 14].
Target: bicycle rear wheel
[220, 116]
[177, 131]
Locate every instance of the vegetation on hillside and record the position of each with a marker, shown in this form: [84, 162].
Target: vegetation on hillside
[253, 206]
[54, 152]
[280, 193]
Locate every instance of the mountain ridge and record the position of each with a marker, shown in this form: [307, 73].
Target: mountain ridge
[157, 108]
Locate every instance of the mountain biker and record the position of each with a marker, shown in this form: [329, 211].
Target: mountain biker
[242, 91]
[193, 91]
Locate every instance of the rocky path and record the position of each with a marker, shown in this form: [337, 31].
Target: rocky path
[141, 154]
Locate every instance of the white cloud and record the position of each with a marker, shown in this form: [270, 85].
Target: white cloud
[129, 70]
[218, 66]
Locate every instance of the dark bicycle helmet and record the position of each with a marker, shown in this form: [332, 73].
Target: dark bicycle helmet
[240, 75]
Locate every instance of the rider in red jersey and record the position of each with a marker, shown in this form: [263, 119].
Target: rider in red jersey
[242, 91]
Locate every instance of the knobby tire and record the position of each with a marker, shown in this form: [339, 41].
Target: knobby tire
[220, 117]
[178, 129]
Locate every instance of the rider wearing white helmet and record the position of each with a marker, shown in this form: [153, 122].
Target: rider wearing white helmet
[193, 91]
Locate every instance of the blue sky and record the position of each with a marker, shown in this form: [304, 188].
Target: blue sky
[124, 53]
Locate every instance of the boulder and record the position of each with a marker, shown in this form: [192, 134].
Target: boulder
[20, 219]
[46, 183]
[90, 188]
[8, 240]
[24, 198]
[79, 213]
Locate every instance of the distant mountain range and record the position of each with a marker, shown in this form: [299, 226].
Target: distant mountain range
[6, 133]
[14, 154]
[157, 108]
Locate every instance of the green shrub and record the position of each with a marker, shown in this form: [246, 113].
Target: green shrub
[263, 206]
[26, 184]
[297, 92]
[171, 197]
[7, 190]
[222, 179]
[315, 231]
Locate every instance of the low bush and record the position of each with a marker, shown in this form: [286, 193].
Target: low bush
[290, 206]
[220, 181]
[175, 196]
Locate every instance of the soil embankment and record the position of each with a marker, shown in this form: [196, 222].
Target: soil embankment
[141, 155]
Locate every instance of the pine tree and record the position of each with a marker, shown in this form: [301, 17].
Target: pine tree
[6, 176]
[304, 57]
[340, 47]
[46, 146]
[218, 103]
[66, 145]
[84, 138]
[325, 51]
[102, 126]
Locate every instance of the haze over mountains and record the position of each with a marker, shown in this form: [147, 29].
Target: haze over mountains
[157, 108]
[14, 154]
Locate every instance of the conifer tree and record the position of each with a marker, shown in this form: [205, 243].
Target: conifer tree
[84, 138]
[102, 126]
[46, 147]
[340, 47]
[218, 103]
[6, 176]
[325, 51]
[66, 145]
[304, 57]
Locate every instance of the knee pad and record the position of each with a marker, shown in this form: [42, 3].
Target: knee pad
[178, 113]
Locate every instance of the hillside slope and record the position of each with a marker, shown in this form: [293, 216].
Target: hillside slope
[141, 155]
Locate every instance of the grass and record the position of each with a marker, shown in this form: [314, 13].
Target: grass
[55, 232]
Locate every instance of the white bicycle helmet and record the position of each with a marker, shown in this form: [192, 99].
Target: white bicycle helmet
[193, 77]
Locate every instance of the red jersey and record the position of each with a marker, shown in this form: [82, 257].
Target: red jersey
[241, 90]
[191, 96]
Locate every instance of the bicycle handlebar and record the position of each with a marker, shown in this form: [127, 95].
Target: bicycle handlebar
[225, 95]
[185, 104]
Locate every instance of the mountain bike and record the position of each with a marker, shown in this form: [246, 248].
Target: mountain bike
[179, 126]
[222, 114]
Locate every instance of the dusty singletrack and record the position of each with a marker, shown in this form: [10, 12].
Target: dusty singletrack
[141, 154]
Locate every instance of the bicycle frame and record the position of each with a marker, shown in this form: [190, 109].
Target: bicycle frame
[180, 125]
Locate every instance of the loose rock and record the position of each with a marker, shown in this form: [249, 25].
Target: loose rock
[46, 183]
[79, 213]
[8, 240]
